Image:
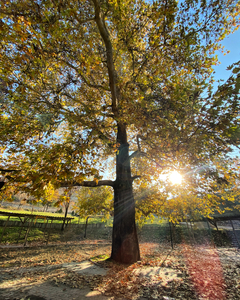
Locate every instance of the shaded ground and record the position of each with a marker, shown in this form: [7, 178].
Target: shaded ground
[43, 271]
[75, 270]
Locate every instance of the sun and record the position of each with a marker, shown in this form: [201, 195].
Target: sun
[175, 177]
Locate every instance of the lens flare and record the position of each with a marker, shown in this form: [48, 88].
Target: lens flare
[175, 177]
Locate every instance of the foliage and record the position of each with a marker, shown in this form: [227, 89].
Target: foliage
[50, 195]
[205, 190]
[94, 202]
[149, 202]
[64, 198]
[8, 194]
[161, 64]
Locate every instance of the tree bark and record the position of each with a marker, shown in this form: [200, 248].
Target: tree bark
[125, 247]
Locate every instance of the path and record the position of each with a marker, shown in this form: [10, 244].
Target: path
[20, 287]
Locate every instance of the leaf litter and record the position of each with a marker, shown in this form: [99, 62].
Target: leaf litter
[187, 272]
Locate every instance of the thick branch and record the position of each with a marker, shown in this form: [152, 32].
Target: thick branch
[138, 143]
[109, 51]
[6, 170]
[1, 184]
[136, 154]
[135, 177]
[88, 183]
[140, 153]
[81, 22]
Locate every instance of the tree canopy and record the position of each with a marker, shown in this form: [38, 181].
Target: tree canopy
[84, 80]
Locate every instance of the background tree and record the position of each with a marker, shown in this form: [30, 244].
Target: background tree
[64, 200]
[94, 202]
[87, 78]
[50, 196]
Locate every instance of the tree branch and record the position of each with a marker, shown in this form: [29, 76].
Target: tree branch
[2, 183]
[84, 78]
[136, 154]
[6, 170]
[88, 183]
[140, 153]
[138, 143]
[135, 177]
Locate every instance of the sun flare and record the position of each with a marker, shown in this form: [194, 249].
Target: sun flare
[175, 177]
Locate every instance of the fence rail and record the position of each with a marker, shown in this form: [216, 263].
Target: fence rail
[53, 226]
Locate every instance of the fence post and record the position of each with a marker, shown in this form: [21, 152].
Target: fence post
[85, 234]
[170, 224]
[5, 226]
[234, 233]
[27, 232]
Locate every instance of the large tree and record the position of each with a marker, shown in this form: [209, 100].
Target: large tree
[84, 79]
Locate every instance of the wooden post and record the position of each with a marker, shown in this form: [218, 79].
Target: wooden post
[49, 232]
[85, 234]
[192, 232]
[4, 228]
[188, 231]
[210, 233]
[235, 233]
[209, 228]
[27, 232]
[170, 223]
[21, 228]
[45, 227]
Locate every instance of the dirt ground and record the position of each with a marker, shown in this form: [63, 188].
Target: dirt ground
[40, 273]
[78, 270]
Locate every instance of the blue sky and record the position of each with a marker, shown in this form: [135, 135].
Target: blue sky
[232, 43]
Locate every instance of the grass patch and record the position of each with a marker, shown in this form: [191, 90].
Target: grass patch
[26, 212]
[14, 234]
[11, 235]
[101, 257]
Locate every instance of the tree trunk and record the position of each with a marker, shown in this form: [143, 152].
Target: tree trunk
[125, 247]
[65, 216]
